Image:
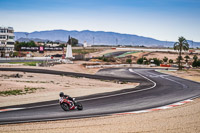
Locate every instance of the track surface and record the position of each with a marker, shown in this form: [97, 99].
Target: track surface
[155, 90]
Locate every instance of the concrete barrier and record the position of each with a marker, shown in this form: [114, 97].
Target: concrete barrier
[117, 65]
[26, 58]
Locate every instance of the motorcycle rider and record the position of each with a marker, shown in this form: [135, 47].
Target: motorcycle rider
[62, 95]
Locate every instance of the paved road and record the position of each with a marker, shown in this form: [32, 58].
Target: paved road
[114, 54]
[156, 89]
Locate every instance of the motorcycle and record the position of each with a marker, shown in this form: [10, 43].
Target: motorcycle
[67, 104]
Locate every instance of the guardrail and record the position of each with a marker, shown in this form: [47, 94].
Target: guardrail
[116, 65]
[26, 58]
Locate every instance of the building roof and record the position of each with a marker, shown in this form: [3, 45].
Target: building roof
[10, 28]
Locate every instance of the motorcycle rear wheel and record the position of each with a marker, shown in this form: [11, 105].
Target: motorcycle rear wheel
[79, 106]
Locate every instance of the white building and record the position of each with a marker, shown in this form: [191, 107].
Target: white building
[6, 40]
[85, 44]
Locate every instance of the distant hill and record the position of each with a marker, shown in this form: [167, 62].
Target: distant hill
[22, 39]
[96, 38]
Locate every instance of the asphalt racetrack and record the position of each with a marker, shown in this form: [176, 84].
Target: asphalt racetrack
[155, 90]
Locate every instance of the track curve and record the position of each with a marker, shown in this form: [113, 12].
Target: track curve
[155, 90]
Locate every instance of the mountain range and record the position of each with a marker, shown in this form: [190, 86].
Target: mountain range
[96, 38]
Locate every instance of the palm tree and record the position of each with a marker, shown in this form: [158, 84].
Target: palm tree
[181, 45]
[195, 58]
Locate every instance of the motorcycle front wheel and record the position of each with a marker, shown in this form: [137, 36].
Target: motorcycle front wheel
[65, 106]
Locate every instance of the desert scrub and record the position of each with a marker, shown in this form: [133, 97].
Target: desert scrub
[11, 92]
[11, 76]
[19, 92]
[33, 81]
[31, 90]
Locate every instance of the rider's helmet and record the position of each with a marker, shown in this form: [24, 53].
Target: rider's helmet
[61, 94]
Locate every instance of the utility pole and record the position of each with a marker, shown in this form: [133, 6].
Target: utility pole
[93, 40]
[19, 54]
[116, 41]
[192, 43]
[71, 40]
[63, 56]
[68, 42]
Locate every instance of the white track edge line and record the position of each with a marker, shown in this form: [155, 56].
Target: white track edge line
[157, 108]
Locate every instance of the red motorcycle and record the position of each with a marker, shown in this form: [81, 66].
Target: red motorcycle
[67, 104]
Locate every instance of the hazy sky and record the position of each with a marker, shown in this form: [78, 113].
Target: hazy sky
[159, 19]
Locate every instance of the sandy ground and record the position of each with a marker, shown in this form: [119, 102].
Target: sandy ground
[52, 84]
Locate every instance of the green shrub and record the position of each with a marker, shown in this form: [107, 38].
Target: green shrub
[129, 61]
[165, 59]
[171, 61]
[141, 60]
[105, 59]
[15, 54]
[196, 63]
[18, 45]
[157, 61]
